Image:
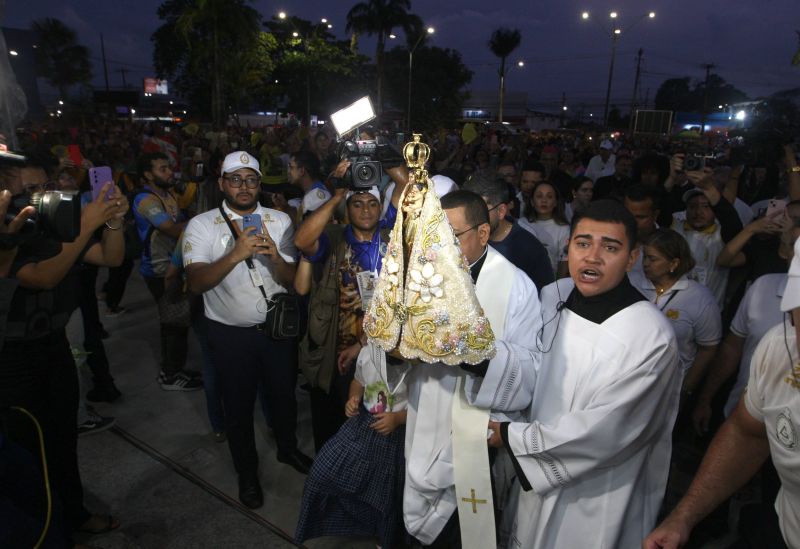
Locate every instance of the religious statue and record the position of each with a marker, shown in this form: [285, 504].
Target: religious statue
[425, 307]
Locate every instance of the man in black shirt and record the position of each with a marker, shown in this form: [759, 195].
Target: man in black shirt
[37, 371]
[516, 244]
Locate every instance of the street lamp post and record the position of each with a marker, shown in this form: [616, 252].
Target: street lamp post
[615, 35]
[430, 30]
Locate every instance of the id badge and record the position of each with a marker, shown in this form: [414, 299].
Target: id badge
[700, 274]
[366, 286]
[255, 277]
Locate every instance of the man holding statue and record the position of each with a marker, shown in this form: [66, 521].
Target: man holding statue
[580, 393]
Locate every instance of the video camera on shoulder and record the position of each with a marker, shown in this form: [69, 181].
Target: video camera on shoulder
[58, 213]
[368, 157]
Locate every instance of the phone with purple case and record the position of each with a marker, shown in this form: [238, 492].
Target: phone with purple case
[252, 220]
[98, 177]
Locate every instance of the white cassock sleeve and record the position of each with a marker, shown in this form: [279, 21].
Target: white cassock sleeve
[622, 416]
[511, 375]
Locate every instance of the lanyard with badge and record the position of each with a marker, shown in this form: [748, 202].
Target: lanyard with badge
[255, 276]
[671, 297]
[367, 279]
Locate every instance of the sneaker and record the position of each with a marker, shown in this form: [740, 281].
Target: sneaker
[179, 382]
[95, 424]
[115, 312]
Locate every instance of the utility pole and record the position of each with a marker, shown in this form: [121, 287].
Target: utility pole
[635, 89]
[614, 38]
[708, 67]
[123, 72]
[563, 108]
[105, 66]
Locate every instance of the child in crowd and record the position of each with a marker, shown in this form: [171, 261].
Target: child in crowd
[355, 486]
[546, 220]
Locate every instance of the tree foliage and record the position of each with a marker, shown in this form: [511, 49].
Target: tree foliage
[214, 52]
[60, 59]
[378, 18]
[503, 42]
[438, 83]
[678, 94]
[313, 69]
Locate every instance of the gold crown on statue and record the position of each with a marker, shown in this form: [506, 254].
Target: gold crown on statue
[424, 306]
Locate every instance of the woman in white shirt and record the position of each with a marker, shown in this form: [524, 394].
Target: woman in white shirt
[689, 305]
[545, 219]
[582, 192]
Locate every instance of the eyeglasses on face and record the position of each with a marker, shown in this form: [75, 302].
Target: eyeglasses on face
[465, 231]
[235, 181]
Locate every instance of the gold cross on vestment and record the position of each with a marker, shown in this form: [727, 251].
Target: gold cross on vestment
[473, 501]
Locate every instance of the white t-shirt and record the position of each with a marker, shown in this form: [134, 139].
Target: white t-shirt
[237, 300]
[597, 168]
[552, 236]
[382, 393]
[759, 311]
[705, 246]
[773, 397]
[692, 311]
[745, 212]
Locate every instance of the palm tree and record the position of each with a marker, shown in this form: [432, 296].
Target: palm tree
[379, 17]
[59, 58]
[502, 43]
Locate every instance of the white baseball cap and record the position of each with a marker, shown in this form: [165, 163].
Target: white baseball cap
[239, 159]
[606, 144]
[372, 190]
[443, 185]
[791, 295]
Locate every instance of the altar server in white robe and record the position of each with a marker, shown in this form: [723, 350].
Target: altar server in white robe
[593, 455]
[503, 385]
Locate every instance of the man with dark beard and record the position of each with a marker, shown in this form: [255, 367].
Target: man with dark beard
[239, 270]
[160, 223]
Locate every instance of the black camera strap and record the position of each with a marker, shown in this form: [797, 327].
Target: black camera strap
[249, 260]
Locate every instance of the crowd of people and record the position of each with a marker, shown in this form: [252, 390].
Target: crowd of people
[642, 293]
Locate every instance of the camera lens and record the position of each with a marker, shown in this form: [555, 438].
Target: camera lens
[365, 173]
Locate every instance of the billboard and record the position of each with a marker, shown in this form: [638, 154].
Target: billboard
[156, 86]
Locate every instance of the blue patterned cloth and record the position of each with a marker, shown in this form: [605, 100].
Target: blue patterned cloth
[355, 487]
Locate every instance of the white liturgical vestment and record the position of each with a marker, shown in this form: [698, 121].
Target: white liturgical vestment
[429, 498]
[594, 457]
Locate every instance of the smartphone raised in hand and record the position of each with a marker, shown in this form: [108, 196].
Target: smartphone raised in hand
[98, 177]
[252, 220]
[775, 207]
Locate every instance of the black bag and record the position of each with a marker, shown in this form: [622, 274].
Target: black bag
[284, 317]
[283, 320]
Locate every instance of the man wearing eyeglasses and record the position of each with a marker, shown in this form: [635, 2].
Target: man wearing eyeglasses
[160, 223]
[237, 274]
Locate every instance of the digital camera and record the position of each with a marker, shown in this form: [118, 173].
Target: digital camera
[58, 216]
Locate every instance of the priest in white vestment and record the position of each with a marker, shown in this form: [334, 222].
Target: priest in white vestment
[503, 385]
[593, 455]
